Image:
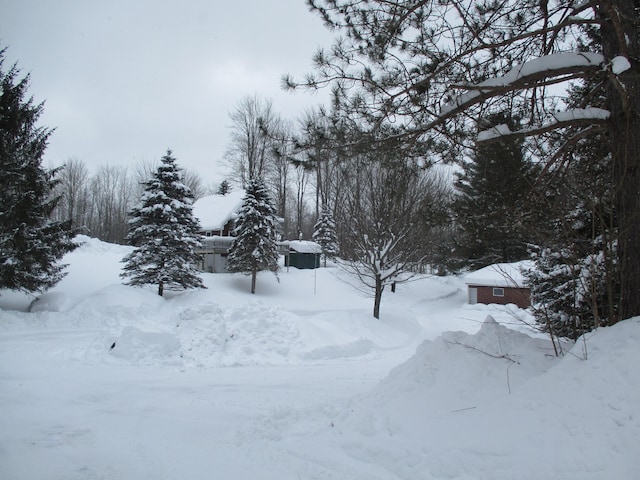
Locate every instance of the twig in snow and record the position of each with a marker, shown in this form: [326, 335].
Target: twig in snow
[462, 409]
[505, 356]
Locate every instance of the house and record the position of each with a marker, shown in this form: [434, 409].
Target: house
[213, 254]
[500, 283]
[216, 214]
[302, 254]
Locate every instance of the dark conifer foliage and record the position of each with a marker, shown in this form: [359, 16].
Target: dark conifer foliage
[165, 233]
[31, 244]
[576, 282]
[324, 234]
[224, 188]
[494, 196]
[255, 248]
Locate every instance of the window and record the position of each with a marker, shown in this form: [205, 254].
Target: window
[498, 292]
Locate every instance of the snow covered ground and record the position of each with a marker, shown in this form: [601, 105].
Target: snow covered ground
[104, 381]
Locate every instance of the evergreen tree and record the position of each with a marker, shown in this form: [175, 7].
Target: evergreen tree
[254, 248]
[31, 244]
[324, 233]
[165, 233]
[224, 188]
[494, 193]
[576, 282]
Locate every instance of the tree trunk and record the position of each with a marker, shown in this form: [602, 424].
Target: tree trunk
[619, 37]
[377, 297]
[254, 273]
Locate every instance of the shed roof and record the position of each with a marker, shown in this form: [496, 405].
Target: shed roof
[214, 211]
[500, 275]
[304, 246]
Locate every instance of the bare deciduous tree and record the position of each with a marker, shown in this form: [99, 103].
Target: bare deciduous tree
[250, 149]
[382, 205]
[112, 195]
[73, 205]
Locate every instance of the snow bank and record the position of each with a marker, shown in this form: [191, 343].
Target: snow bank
[287, 323]
[498, 405]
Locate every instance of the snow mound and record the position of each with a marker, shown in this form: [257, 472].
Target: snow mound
[260, 331]
[50, 302]
[93, 246]
[493, 404]
[492, 362]
[122, 297]
[249, 334]
[144, 348]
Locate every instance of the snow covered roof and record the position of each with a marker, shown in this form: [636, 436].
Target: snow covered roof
[500, 275]
[214, 211]
[305, 246]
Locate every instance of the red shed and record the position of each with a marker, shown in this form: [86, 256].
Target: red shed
[500, 283]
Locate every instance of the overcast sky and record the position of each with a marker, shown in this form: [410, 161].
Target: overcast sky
[124, 80]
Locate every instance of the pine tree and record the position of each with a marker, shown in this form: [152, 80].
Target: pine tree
[165, 233]
[324, 233]
[494, 192]
[254, 248]
[576, 282]
[224, 188]
[31, 244]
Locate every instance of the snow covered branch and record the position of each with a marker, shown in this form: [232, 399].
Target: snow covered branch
[536, 72]
[569, 118]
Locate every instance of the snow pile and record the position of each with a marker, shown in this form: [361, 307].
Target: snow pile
[498, 405]
[135, 344]
[208, 335]
[249, 334]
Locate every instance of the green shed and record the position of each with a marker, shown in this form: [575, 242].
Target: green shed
[303, 254]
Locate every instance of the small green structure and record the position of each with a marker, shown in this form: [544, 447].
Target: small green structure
[303, 254]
